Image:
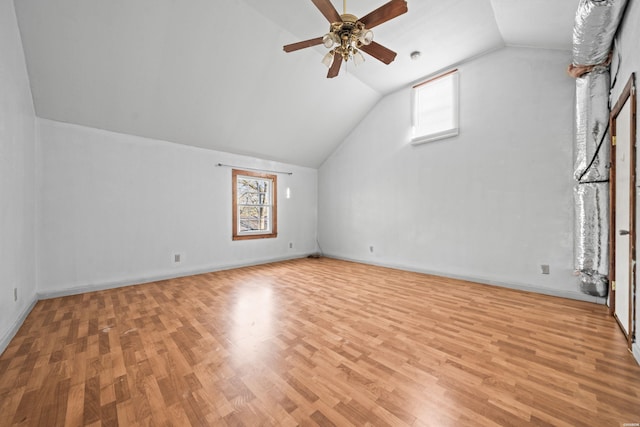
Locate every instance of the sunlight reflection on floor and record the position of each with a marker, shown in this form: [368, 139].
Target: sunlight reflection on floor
[252, 323]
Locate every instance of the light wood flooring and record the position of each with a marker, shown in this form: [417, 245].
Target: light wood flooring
[317, 342]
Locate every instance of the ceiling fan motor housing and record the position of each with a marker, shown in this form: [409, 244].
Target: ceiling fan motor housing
[349, 34]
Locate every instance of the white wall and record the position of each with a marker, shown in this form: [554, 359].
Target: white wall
[626, 60]
[115, 208]
[491, 205]
[17, 177]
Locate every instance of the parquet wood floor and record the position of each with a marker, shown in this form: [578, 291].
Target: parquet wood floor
[317, 342]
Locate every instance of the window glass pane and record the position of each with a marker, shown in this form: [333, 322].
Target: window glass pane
[254, 218]
[247, 199]
[254, 201]
[254, 192]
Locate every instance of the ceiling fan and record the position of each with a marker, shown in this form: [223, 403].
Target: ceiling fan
[348, 35]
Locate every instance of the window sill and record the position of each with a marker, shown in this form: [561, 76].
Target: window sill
[255, 236]
[435, 136]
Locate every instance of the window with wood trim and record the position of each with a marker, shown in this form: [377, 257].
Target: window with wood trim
[435, 108]
[254, 205]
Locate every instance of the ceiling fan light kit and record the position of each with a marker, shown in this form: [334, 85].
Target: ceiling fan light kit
[348, 35]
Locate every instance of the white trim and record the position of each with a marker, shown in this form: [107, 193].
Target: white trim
[435, 136]
[17, 324]
[579, 296]
[92, 287]
[6, 339]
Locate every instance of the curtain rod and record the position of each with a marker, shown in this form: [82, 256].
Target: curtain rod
[253, 169]
[435, 78]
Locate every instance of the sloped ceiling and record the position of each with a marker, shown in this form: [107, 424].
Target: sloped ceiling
[213, 74]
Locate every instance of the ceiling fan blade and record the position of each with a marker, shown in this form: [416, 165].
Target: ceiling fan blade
[379, 52]
[335, 67]
[301, 45]
[327, 9]
[384, 13]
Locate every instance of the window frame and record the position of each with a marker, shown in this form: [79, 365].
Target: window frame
[447, 133]
[273, 232]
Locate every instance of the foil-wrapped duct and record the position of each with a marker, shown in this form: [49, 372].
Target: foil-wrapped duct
[595, 26]
[594, 283]
[591, 149]
[592, 157]
[591, 237]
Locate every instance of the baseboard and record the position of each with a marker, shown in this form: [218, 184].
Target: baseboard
[6, 339]
[635, 349]
[15, 327]
[92, 287]
[517, 286]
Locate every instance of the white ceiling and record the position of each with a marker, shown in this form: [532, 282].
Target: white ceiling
[213, 74]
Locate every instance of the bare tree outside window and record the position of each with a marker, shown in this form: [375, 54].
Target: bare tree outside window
[254, 200]
[254, 205]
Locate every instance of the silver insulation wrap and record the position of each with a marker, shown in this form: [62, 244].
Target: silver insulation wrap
[591, 194]
[595, 26]
[592, 237]
[591, 149]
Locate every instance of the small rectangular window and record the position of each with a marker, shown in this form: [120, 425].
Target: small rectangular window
[435, 108]
[254, 205]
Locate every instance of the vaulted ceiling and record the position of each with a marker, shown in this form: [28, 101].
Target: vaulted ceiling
[213, 74]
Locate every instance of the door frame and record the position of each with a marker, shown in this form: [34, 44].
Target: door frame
[628, 94]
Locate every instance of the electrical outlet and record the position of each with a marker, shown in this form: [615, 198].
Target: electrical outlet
[290, 245]
[176, 258]
[544, 268]
[15, 294]
[371, 249]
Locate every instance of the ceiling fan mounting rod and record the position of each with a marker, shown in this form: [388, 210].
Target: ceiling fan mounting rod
[344, 6]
